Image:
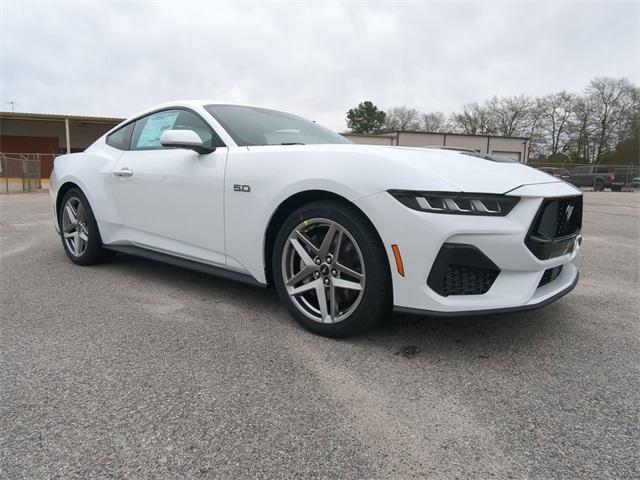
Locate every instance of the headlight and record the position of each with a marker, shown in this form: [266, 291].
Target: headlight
[456, 203]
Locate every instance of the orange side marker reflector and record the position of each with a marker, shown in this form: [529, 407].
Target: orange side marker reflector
[398, 257]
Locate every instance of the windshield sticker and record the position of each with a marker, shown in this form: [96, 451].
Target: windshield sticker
[157, 123]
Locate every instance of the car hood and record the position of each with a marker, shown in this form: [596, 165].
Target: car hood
[438, 169]
[467, 173]
[377, 168]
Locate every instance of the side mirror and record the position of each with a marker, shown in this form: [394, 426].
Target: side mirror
[184, 139]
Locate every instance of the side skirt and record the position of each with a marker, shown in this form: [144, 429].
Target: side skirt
[184, 263]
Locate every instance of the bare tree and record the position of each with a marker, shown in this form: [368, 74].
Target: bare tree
[402, 118]
[534, 129]
[611, 100]
[557, 110]
[627, 135]
[580, 130]
[509, 115]
[434, 122]
[473, 120]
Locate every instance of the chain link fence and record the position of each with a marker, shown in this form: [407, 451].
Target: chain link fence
[22, 172]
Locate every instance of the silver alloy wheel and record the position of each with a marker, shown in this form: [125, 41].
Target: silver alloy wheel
[323, 270]
[74, 226]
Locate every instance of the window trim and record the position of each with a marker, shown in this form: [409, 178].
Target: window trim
[215, 137]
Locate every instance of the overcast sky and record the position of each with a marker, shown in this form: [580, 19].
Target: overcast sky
[316, 59]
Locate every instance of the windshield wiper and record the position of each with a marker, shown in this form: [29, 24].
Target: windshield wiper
[291, 143]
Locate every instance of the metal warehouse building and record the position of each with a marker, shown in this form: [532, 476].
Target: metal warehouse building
[47, 135]
[516, 148]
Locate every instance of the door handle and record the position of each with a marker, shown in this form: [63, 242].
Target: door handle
[123, 172]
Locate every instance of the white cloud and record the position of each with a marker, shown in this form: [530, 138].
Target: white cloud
[315, 59]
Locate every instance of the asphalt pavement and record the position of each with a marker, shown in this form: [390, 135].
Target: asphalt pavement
[136, 369]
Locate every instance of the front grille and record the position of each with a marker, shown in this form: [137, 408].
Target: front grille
[461, 269]
[549, 275]
[568, 224]
[555, 227]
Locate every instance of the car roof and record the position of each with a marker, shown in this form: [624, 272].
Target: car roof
[198, 103]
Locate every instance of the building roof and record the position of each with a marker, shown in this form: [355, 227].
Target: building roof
[382, 135]
[393, 132]
[58, 117]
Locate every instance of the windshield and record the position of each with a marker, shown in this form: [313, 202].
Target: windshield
[250, 126]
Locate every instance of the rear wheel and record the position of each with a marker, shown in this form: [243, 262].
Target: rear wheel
[330, 270]
[616, 189]
[79, 230]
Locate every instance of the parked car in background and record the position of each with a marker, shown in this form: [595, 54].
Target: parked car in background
[561, 173]
[597, 176]
[635, 183]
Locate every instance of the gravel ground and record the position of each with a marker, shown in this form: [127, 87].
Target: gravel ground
[136, 369]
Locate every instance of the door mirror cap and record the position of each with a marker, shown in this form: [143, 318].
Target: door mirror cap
[184, 139]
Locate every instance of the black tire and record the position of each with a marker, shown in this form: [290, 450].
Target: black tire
[616, 189]
[376, 296]
[598, 185]
[94, 252]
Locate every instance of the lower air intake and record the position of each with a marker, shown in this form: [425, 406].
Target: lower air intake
[461, 269]
[550, 275]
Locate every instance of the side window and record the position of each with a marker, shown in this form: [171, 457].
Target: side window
[190, 121]
[580, 170]
[120, 138]
[602, 170]
[148, 130]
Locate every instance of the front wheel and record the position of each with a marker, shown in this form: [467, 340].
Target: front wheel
[79, 230]
[330, 269]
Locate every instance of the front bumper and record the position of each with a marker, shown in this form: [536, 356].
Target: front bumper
[420, 236]
[534, 304]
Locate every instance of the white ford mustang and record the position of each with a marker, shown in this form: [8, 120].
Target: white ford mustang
[343, 231]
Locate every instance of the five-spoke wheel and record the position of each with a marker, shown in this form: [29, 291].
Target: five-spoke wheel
[74, 226]
[330, 269]
[323, 270]
[79, 230]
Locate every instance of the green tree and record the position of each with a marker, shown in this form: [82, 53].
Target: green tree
[366, 118]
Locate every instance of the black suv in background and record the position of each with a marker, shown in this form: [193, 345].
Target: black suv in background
[597, 176]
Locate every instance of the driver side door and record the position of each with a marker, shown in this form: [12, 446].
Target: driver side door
[170, 200]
